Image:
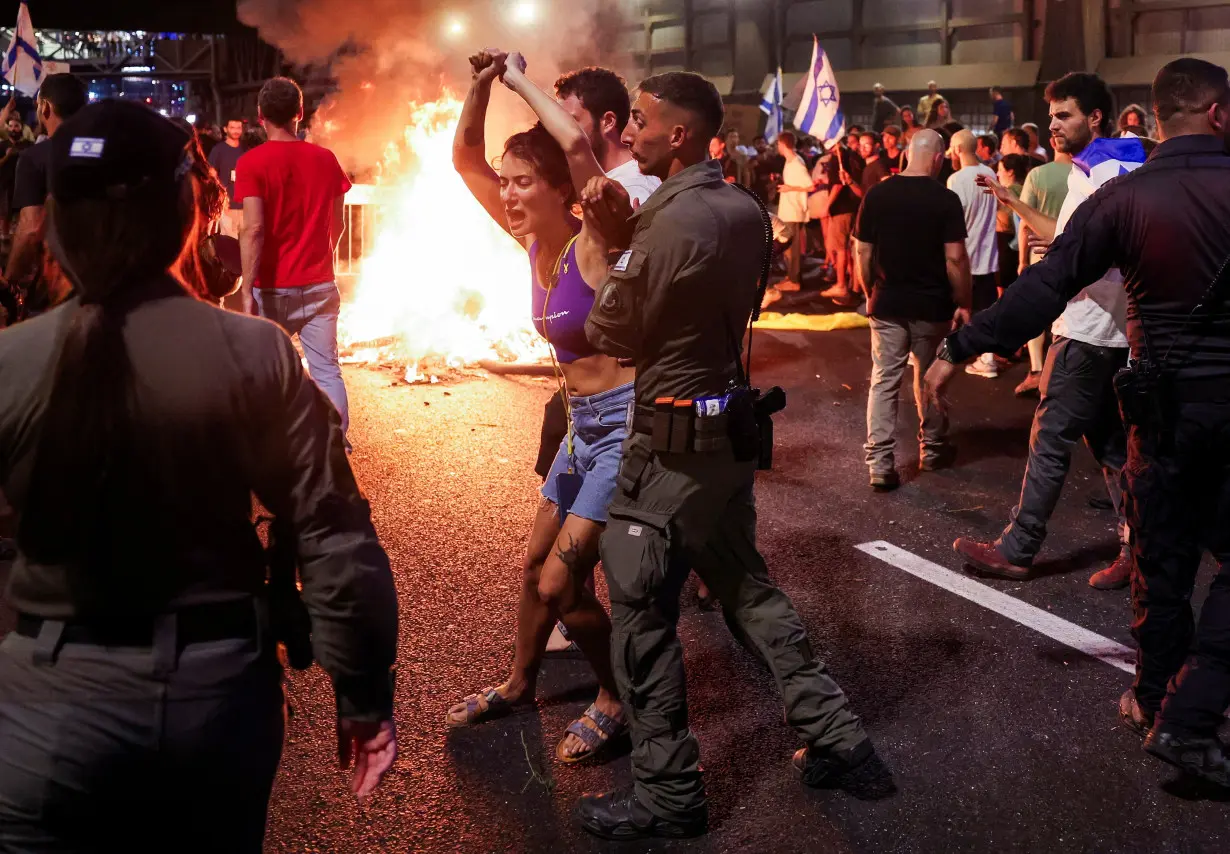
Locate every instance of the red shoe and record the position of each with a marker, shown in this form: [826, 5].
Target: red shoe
[985, 558]
[1133, 716]
[1116, 576]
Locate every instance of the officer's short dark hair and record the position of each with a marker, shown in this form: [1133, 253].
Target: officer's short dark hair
[280, 100]
[692, 93]
[66, 94]
[1188, 86]
[991, 143]
[539, 149]
[600, 91]
[1090, 93]
[788, 138]
[1020, 135]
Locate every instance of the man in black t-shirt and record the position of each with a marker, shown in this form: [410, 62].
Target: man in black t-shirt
[911, 261]
[29, 267]
[875, 168]
[224, 157]
[766, 168]
[844, 174]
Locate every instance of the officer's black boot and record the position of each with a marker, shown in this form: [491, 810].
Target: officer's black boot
[857, 770]
[620, 815]
[1203, 756]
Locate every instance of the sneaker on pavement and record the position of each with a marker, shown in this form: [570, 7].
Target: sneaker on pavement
[938, 460]
[1133, 715]
[982, 367]
[1116, 576]
[1202, 756]
[885, 481]
[1029, 385]
[987, 559]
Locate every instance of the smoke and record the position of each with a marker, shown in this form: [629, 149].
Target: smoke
[385, 55]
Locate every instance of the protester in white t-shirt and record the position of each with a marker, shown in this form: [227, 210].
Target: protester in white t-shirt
[597, 99]
[1090, 346]
[792, 207]
[980, 241]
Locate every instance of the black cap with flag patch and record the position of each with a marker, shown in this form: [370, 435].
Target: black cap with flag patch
[113, 149]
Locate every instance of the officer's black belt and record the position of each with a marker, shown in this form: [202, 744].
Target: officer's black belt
[684, 432]
[196, 624]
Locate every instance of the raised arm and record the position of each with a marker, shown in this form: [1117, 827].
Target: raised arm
[582, 163]
[583, 166]
[1034, 218]
[470, 143]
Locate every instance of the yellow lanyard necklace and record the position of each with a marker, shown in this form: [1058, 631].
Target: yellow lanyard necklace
[559, 373]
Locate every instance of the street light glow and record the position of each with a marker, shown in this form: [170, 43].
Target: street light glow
[524, 13]
[455, 28]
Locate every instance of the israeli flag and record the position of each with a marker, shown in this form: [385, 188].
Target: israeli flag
[771, 103]
[819, 113]
[1103, 159]
[22, 66]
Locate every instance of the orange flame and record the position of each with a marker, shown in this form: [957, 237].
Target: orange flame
[441, 278]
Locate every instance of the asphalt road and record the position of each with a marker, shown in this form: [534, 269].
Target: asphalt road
[999, 738]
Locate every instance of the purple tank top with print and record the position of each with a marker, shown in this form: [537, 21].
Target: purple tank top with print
[566, 309]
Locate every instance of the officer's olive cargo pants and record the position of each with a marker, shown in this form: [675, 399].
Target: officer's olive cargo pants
[670, 514]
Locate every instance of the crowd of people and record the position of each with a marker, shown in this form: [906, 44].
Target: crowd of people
[139, 420]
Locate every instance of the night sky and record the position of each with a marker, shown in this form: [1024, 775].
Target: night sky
[157, 15]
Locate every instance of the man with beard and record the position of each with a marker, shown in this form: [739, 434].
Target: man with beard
[224, 157]
[1077, 400]
[677, 303]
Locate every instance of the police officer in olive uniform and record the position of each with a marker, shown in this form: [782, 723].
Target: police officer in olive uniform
[677, 303]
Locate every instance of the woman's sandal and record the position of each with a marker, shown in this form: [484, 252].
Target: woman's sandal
[607, 730]
[476, 713]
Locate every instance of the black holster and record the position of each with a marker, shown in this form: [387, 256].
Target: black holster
[1144, 392]
[288, 617]
[751, 424]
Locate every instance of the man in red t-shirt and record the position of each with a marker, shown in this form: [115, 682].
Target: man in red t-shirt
[293, 196]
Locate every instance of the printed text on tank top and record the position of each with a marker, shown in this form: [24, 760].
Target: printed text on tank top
[565, 301]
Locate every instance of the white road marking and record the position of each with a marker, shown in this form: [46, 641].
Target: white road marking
[1044, 622]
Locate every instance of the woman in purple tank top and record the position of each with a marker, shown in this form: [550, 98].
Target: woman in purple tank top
[541, 174]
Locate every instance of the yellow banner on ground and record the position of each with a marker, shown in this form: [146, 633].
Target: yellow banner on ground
[812, 322]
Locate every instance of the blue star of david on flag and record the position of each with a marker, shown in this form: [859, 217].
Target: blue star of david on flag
[819, 113]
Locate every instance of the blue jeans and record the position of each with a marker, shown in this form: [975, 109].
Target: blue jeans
[311, 313]
[600, 425]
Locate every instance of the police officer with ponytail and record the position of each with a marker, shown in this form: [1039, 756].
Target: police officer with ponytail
[677, 302]
[141, 704]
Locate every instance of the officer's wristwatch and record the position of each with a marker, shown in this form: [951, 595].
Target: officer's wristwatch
[944, 353]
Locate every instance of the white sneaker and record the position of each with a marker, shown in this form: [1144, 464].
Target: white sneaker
[983, 366]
